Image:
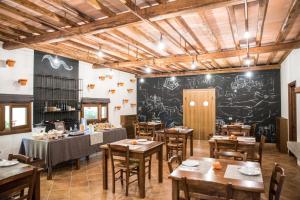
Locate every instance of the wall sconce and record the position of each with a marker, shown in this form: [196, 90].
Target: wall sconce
[91, 86]
[132, 80]
[205, 103]
[10, 63]
[117, 107]
[102, 78]
[22, 82]
[192, 103]
[120, 84]
[130, 90]
[112, 91]
[125, 101]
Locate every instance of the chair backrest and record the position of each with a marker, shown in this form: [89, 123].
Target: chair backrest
[118, 151]
[234, 128]
[261, 146]
[237, 155]
[158, 136]
[20, 158]
[211, 191]
[226, 144]
[21, 188]
[253, 129]
[174, 160]
[276, 182]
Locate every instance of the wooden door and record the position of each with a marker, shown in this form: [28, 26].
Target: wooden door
[199, 111]
[292, 112]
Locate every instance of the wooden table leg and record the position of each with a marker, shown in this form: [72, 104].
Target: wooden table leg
[37, 187]
[78, 163]
[184, 148]
[175, 190]
[160, 165]
[104, 168]
[49, 173]
[142, 174]
[191, 144]
[211, 150]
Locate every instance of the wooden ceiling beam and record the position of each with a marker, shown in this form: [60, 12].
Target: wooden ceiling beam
[210, 32]
[21, 25]
[215, 71]
[187, 28]
[171, 9]
[262, 12]
[233, 27]
[286, 26]
[15, 31]
[73, 10]
[213, 55]
[97, 4]
[44, 11]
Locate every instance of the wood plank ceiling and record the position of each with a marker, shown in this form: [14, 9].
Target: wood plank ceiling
[204, 36]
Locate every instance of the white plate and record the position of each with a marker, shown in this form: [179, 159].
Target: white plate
[7, 163]
[190, 163]
[250, 171]
[142, 140]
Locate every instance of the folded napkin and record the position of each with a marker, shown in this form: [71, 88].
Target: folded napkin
[96, 138]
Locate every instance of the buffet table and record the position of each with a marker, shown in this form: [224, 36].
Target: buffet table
[53, 152]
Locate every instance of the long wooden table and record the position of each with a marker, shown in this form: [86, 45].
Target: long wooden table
[184, 133]
[247, 144]
[243, 189]
[140, 153]
[10, 174]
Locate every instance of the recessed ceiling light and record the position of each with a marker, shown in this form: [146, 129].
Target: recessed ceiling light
[142, 80]
[148, 70]
[249, 74]
[247, 34]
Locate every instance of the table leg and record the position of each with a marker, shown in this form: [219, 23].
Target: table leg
[36, 192]
[211, 150]
[104, 169]
[184, 148]
[49, 173]
[191, 145]
[160, 165]
[142, 174]
[175, 190]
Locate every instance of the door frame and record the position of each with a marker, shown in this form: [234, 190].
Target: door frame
[292, 109]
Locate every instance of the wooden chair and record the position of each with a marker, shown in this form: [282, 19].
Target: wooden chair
[228, 149]
[14, 190]
[174, 143]
[253, 130]
[143, 131]
[120, 163]
[213, 191]
[173, 160]
[258, 155]
[20, 158]
[276, 182]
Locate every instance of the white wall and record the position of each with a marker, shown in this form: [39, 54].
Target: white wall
[23, 69]
[290, 71]
[102, 87]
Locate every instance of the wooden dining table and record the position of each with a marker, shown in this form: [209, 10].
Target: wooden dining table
[247, 144]
[140, 152]
[10, 174]
[185, 133]
[243, 128]
[244, 187]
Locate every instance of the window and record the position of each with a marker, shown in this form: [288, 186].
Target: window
[95, 113]
[15, 118]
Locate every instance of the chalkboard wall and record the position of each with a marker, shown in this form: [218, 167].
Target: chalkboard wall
[254, 99]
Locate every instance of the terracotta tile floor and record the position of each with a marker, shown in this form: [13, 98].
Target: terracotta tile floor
[86, 183]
